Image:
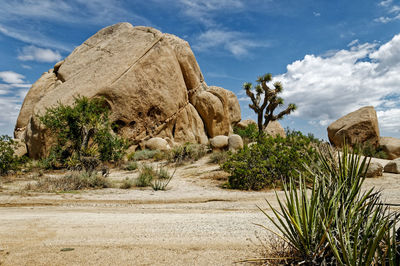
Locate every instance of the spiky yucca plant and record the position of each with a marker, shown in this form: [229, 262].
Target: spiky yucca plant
[334, 221]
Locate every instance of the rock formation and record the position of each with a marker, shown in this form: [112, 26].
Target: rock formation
[357, 127]
[274, 127]
[150, 80]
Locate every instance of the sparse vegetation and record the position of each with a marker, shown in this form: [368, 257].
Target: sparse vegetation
[369, 150]
[144, 155]
[8, 160]
[69, 182]
[273, 159]
[158, 179]
[265, 109]
[127, 183]
[335, 222]
[219, 157]
[187, 152]
[146, 175]
[131, 166]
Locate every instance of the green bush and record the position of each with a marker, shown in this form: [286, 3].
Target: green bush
[248, 134]
[83, 129]
[144, 155]
[268, 162]
[132, 166]
[146, 175]
[219, 157]
[127, 184]
[336, 222]
[158, 179]
[8, 160]
[369, 150]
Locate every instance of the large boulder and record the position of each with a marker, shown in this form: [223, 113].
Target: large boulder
[355, 128]
[157, 144]
[274, 128]
[220, 142]
[391, 146]
[235, 142]
[151, 82]
[375, 169]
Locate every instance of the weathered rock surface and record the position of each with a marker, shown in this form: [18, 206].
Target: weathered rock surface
[375, 169]
[219, 142]
[392, 167]
[157, 144]
[150, 80]
[357, 127]
[391, 146]
[274, 128]
[235, 142]
[20, 149]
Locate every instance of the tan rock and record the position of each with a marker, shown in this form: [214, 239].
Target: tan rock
[145, 76]
[244, 123]
[392, 167]
[157, 144]
[357, 127]
[274, 128]
[391, 146]
[375, 169]
[219, 142]
[235, 142]
[20, 149]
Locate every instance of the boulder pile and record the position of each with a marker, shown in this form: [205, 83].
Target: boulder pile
[151, 82]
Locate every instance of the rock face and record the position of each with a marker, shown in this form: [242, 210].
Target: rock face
[357, 127]
[274, 128]
[391, 146]
[150, 80]
[20, 149]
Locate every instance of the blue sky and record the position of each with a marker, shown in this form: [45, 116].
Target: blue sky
[332, 57]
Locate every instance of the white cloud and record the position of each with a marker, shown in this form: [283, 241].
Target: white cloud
[392, 10]
[11, 77]
[236, 43]
[328, 87]
[316, 14]
[33, 53]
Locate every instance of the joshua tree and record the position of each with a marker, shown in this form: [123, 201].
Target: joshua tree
[270, 102]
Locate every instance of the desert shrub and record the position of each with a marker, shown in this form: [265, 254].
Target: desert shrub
[369, 150]
[187, 152]
[335, 222]
[248, 134]
[146, 175]
[8, 160]
[131, 166]
[219, 157]
[72, 181]
[268, 162]
[83, 129]
[162, 179]
[144, 154]
[127, 183]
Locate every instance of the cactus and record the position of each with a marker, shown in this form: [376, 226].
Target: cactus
[270, 102]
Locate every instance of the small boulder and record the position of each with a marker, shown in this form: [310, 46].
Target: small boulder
[20, 149]
[235, 142]
[219, 142]
[375, 169]
[274, 128]
[391, 146]
[157, 144]
[357, 127]
[392, 167]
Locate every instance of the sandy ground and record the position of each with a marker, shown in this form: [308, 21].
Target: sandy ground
[194, 222]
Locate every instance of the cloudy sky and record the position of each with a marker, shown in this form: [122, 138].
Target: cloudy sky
[332, 57]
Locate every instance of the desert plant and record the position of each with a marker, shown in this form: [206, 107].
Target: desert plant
[267, 162]
[265, 109]
[336, 222]
[187, 152]
[370, 150]
[162, 179]
[144, 154]
[146, 175]
[248, 134]
[127, 184]
[83, 129]
[132, 166]
[219, 157]
[69, 182]
[8, 160]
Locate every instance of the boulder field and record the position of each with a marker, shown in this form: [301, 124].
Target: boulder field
[150, 80]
